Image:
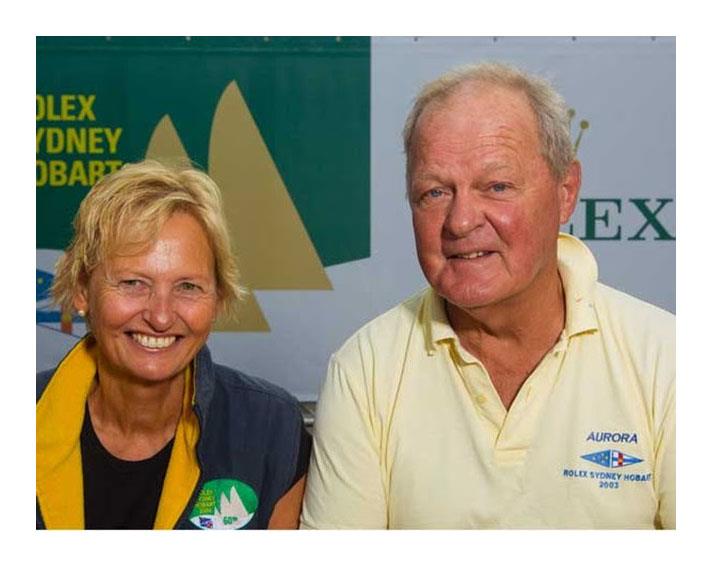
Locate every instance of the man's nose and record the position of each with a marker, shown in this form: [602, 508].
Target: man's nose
[464, 215]
[160, 309]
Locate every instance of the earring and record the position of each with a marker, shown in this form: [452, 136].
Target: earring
[81, 312]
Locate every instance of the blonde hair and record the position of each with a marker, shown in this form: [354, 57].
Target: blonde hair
[548, 106]
[125, 211]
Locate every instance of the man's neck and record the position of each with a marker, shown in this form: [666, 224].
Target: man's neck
[538, 312]
[511, 338]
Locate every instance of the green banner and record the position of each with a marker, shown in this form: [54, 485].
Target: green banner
[281, 124]
[100, 99]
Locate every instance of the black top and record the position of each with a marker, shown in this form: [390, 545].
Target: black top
[119, 494]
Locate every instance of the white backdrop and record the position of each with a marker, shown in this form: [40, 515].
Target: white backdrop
[623, 87]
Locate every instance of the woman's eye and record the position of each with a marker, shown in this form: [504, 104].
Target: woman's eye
[188, 286]
[132, 286]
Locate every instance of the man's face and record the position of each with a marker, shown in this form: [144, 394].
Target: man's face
[486, 208]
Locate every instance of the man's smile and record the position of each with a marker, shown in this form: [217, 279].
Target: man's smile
[470, 255]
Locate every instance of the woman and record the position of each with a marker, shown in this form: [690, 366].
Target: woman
[137, 427]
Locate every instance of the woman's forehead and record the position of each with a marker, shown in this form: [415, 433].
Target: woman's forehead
[180, 240]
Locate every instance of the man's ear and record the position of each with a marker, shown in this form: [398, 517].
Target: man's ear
[568, 189]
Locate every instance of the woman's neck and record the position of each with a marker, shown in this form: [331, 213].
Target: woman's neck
[134, 419]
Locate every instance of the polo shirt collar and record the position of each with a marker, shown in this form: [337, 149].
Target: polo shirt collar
[579, 273]
[436, 324]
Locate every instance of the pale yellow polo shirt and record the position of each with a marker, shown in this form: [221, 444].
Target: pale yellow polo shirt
[410, 432]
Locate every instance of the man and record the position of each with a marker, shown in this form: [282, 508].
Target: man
[516, 392]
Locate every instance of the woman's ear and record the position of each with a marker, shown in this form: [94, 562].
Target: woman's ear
[81, 300]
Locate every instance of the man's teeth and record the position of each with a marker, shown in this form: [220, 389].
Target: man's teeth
[153, 342]
[471, 255]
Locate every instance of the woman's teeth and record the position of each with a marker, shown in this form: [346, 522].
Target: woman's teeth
[153, 342]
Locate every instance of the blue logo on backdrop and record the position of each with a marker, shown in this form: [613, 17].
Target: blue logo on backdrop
[612, 459]
[45, 312]
[49, 314]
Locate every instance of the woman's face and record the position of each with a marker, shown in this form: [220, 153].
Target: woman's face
[151, 312]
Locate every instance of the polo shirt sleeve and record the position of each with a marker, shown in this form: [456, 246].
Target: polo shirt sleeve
[344, 485]
[665, 467]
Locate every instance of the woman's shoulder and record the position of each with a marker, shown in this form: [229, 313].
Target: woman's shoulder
[240, 387]
[257, 408]
[43, 379]
[252, 385]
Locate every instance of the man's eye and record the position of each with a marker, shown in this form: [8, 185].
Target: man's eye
[433, 194]
[499, 187]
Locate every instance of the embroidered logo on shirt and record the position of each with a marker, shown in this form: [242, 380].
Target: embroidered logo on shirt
[612, 458]
[608, 459]
[224, 504]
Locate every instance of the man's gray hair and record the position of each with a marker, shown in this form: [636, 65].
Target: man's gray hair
[548, 105]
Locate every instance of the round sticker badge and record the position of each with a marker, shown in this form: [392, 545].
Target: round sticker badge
[224, 504]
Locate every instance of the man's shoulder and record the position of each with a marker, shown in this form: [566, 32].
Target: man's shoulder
[643, 328]
[627, 309]
[387, 330]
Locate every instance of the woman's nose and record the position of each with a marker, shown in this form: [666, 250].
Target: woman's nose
[160, 311]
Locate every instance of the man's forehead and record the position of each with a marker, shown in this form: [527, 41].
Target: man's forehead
[481, 103]
[484, 116]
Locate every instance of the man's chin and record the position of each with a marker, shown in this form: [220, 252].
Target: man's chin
[469, 297]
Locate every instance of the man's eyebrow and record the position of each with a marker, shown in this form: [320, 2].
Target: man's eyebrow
[426, 177]
[496, 165]
[441, 173]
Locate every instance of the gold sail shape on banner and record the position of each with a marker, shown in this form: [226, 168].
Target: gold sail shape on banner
[165, 145]
[272, 246]
[271, 242]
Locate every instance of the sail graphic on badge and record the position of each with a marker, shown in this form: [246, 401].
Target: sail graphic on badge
[224, 504]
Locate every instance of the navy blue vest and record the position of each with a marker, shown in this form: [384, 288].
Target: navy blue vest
[248, 449]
